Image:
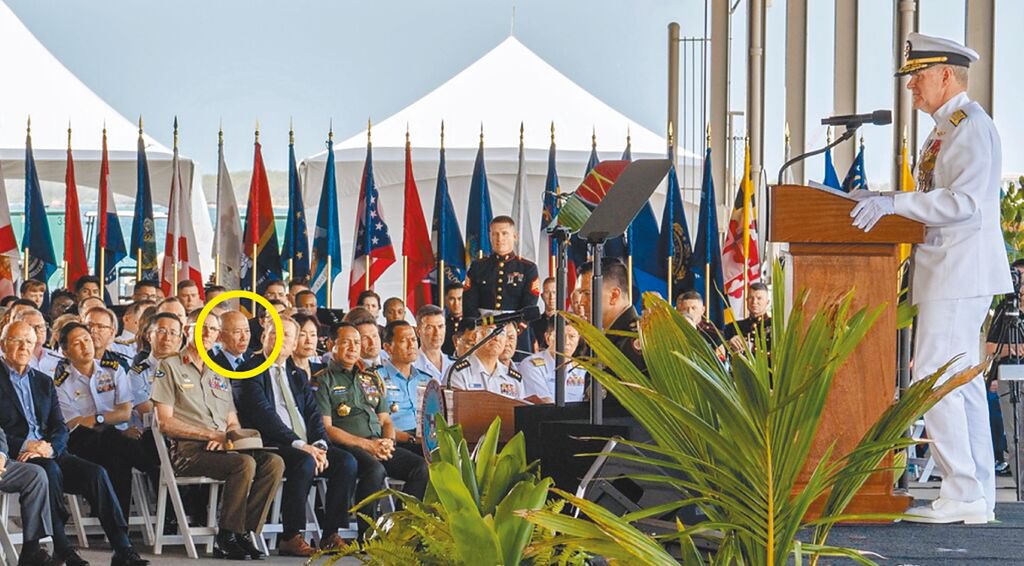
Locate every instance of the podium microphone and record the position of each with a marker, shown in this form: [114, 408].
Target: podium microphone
[878, 118]
[852, 122]
[529, 314]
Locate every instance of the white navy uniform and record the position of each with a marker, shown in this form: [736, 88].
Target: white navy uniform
[469, 374]
[47, 362]
[424, 364]
[959, 267]
[85, 396]
[125, 345]
[140, 379]
[538, 373]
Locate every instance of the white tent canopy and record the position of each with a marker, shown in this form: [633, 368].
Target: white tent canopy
[36, 84]
[508, 86]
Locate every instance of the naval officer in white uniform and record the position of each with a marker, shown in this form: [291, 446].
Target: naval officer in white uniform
[956, 271]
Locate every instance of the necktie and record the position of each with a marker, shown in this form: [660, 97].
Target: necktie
[298, 425]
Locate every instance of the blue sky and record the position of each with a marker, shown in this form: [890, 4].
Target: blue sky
[313, 61]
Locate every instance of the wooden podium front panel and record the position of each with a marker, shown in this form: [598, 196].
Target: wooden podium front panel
[475, 410]
[865, 386]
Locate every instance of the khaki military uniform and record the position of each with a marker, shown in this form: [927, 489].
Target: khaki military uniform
[353, 399]
[205, 400]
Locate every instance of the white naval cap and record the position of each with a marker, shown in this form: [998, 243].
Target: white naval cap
[923, 51]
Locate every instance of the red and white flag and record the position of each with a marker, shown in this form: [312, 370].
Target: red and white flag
[180, 248]
[10, 259]
[74, 244]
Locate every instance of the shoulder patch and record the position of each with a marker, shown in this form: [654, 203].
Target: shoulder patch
[957, 117]
[462, 365]
[140, 367]
[539, 362]
[515, 374]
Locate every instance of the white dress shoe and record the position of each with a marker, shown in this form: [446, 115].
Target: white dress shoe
[942, 511]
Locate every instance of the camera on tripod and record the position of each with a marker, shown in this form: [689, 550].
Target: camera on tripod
[1011, 335]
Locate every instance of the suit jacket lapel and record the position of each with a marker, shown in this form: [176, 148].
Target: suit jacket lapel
[40, 393]
[9, 392]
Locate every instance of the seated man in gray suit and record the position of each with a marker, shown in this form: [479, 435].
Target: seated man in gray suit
[32, 487]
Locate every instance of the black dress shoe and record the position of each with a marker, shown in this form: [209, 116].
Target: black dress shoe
[250, 547]
[228, 545]
[69, 557]
[128, 557]
[37, 557]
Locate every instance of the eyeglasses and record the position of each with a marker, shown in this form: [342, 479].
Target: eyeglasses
[22, 342]
[168, 332]
[98, 326]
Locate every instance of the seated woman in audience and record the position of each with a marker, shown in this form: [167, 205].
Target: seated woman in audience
[305, 357]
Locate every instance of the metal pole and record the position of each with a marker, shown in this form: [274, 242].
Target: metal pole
[367, 267]
[719, 87]
[755, 84]
[255, 262]
[904, 22]
[980, 34]
[796, 82]
[440, 284]
[561, 288]
[596, 290]
[25, 269]
[673, 78]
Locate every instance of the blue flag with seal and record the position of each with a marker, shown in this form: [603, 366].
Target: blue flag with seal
[479, 213]
[295, 253]
[327, 234]
[856, 177]
[674, 240]
[42, 261]
[445, 233]
[706, 262]
[641, 237]
[831, 177]
[143, 240]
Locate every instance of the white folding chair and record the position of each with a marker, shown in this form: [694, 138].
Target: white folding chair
[7, 540]
[924, 467]
[169, 486]
[273, 527]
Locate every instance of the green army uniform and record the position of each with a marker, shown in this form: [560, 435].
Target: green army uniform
[205, 400]
[353, 399]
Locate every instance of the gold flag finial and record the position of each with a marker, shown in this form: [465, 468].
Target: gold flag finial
[369, 127]
[220, 133]
[175, 132]
[104, 128]
[69, 135]
[442, 135]
[330, 130]
[786, 133]
[629, 135]
[593, 137]
[481, 132]
[522, 132]
[828, 135]
[407, 134]
[257, 133]
[552, 131]
[140, 125]
[904, 137]
[862, 140]
[28, 125]
[291, 131]
[670, 140]
[707, 134]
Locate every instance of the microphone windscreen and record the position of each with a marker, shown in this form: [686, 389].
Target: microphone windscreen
[531, 314]
[881, 117]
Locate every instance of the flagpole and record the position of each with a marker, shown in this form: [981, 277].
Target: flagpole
[746, 225]
[440, 284]
[103, 274]
[103, 245]
[669, 278]
[65, 266]
[291, 272]
[629, 276]
[330, 298]
[405, 277]
[138, 265]
[366, 262]
[25, 269]
[254, 252]
[552, 269]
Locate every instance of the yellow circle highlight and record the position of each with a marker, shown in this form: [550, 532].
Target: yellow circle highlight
[278, 340]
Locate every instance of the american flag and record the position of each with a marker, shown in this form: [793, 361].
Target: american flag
[372, 241]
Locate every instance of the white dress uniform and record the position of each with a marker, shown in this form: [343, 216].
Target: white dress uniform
[956, 271]
[538, 373]
[85, 396]
[140, 379]
[125, 345]
[46, 362]
[469, 374]
[424, 364]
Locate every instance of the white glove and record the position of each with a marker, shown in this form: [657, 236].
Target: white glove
[869, 211]
[862, 194]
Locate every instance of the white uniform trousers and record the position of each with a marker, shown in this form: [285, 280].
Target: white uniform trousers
[958, 425]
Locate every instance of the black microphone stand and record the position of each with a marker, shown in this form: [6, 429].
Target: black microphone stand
[498, 329]
[851, 129]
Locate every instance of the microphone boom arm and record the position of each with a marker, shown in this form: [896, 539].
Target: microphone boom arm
[850, 131]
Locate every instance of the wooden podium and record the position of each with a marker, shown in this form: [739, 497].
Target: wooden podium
[475, 410]
[829, 257]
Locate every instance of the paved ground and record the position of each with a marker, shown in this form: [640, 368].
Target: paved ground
[177, 557]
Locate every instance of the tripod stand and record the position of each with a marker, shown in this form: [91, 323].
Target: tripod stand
[1010, 368]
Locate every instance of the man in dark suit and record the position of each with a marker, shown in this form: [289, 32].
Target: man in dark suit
[280, 404]
[234, 341]
[29, 482]
[30, 415]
